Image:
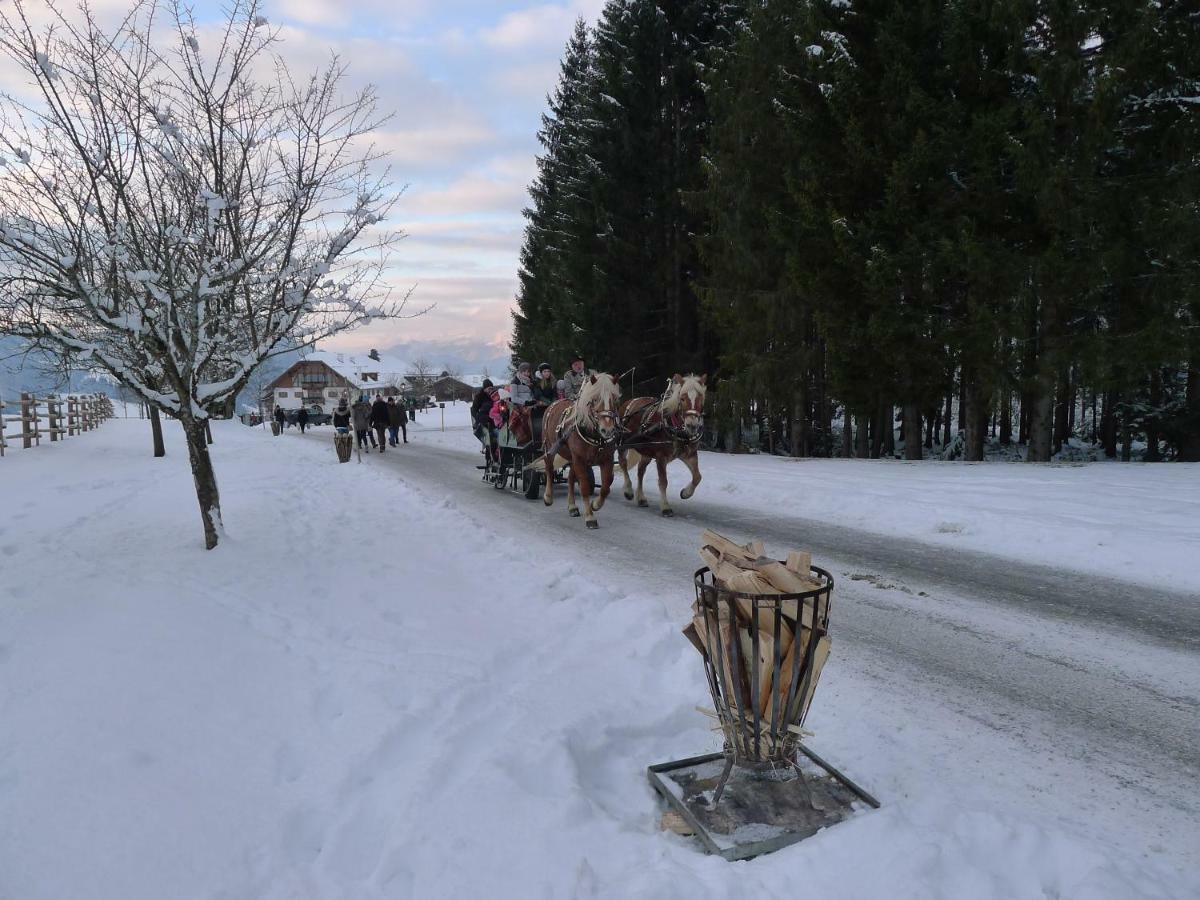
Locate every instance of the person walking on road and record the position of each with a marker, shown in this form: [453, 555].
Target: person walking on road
[380, 419]
[396, 419]
[280, 417]
[361, 413]
[341, 417]
[302, 418]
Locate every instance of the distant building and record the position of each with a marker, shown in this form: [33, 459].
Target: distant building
[322, 377]
[448, 387]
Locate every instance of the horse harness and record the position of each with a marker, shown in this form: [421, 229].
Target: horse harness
[673, 425]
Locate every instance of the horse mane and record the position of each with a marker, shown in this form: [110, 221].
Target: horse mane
[690, 386]
[604, 391]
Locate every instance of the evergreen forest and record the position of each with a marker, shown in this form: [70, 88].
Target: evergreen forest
[936, 227]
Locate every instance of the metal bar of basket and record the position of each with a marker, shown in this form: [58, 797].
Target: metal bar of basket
[777, 726]
[754, 657]
[797, 654]
[868, 798]
[738, 667]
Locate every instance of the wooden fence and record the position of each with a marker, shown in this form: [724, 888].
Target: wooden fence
[64, 416]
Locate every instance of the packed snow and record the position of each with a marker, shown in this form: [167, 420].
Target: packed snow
[369, 691]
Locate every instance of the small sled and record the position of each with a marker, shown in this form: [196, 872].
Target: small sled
[344, 445]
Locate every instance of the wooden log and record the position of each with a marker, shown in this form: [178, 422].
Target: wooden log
[725, 546]
[804, 698]
[692, 633]
[800, 562]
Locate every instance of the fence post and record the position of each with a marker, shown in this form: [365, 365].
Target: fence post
[29, 420]
[72, 415]
[87, 412]
[53, 417]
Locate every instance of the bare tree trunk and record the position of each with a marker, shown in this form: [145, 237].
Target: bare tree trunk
[1041, 407]
[975, 418]
[160, 448]
[877, 431]
[207, 494]
[800, 421]
[861, 438]
[1108, 424]
[912, 431]
[949, 414]
[1063, 400]
[847, 433]
[1006, 430]
[208, 431]
[1152, 452]
[1188, 440]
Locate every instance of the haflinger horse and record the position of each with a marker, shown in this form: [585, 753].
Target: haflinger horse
[581, 434]
[663, 430]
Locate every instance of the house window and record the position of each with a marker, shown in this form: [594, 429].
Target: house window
[315, 378]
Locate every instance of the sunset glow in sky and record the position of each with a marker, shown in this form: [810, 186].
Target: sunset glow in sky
[467, 80]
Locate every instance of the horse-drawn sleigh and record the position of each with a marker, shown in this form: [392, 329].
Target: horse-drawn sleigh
[574, 438]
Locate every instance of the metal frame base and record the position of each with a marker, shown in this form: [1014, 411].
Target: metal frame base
[764, 807]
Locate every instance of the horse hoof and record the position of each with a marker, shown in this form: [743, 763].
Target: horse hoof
[668, 513]
[685, 494]
[643, 503]
[574, 513]
[547, 502]
[629, 495]
[592, 523]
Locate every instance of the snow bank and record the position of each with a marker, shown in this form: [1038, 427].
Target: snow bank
[361, 694]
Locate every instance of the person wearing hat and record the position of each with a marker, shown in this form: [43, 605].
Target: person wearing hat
[575, 377]
[481, 409]
[544, 386]
[522, 386]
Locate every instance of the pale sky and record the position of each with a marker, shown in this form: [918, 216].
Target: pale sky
[467, 80]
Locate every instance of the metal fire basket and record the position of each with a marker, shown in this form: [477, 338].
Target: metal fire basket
[760, 721]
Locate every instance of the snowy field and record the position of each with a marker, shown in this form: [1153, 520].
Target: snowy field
[372, 690]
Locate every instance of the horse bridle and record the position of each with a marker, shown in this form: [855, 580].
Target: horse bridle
[600, 441]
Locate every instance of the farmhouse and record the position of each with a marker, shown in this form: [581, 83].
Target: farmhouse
[322, 377]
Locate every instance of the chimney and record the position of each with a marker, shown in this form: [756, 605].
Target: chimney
[374, 354]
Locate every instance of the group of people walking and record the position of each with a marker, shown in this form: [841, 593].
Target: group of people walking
[375, 423]
[532, 388]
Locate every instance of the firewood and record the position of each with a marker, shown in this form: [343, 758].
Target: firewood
[711, 558]
[725, 546]
[693, 635]
[756, 548]
[800, 562]
[673, 821]
[784, 685]
[782, 579]
[820, 655]
[733, 661]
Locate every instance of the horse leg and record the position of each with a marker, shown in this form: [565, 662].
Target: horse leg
[572, 509]
[583, 475]
[692, 461]
[643, 464]
[624, 457]
[606, 480]
[548, 494]
[663, 504]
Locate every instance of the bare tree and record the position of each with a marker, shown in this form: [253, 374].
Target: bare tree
[422, 373]
[170, 217]
[452, 369]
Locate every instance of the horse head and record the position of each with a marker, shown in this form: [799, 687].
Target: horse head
[683, 404]
[598, 402]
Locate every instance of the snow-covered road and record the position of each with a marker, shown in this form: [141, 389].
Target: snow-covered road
[1093, 685]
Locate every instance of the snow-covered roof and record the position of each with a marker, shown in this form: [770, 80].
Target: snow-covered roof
[353, 366]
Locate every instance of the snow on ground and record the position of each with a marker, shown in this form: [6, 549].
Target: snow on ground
[365, 692]
[1136, 522]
